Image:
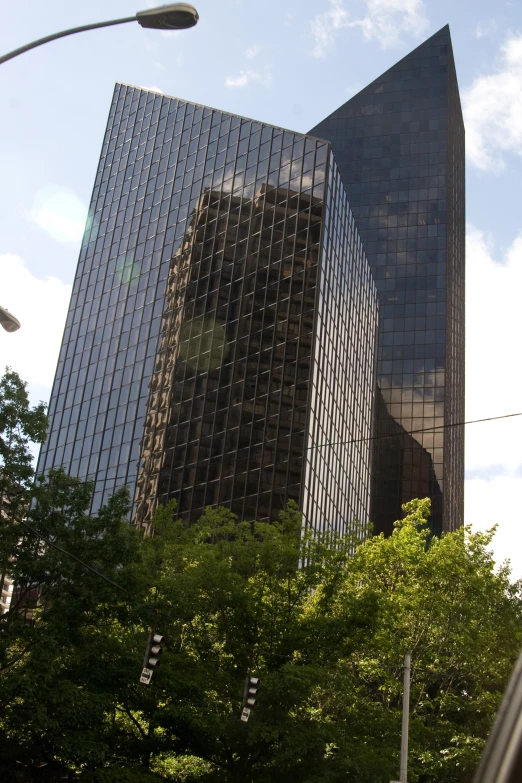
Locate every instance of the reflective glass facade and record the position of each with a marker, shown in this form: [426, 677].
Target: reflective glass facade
[222, 323]
[338, 456]
[399, 145]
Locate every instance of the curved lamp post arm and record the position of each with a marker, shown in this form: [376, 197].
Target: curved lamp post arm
[62, 34]
[173, 16]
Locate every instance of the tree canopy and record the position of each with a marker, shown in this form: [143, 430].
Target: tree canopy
[20, 426]
[323, 622]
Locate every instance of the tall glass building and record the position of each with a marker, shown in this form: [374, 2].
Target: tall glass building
[399, 145]
[221, 337]
[220, 342]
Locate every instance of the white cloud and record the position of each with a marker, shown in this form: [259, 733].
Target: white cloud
[493, 110]
[245, 77]
[498, 502]
[486, 472]
[248, 76]
[41, 307]
[493, 378]
[59, 212]
[152, 88]
[385, 21]
[326, 25]
[159, 66]
[483, 29]
[493, 484]
[252, 52]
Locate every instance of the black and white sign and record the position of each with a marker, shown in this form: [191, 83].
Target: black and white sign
[146, 675]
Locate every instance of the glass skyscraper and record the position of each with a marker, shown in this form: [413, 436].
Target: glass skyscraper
[221, 343]
[221, 337]
[399, 146]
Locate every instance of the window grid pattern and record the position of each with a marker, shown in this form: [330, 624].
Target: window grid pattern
[228, 398]
[99, 398]
[391, 145]
[454, 441]
[343, 385]
[230, 392]
[187, 349]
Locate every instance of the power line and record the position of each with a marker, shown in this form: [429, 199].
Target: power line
[168, 616]
[77, 559]
[78, 481]
[308, 448]
[288, 656]
[410, 432]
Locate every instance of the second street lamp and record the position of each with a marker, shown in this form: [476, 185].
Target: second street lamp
[8, 321]
[176, 16]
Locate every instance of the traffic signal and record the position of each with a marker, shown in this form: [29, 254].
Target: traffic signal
[156, 642]
[249, 696]
[152, 656]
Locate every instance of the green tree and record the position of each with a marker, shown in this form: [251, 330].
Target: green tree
[443, 601]
[235, 597]
[324, 623]
[20, 425]
[232, 597]
[325, 631]
[66, 661]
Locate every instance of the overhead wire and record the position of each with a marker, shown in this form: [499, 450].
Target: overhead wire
[411, 432]
[69, 554]
[317, 446]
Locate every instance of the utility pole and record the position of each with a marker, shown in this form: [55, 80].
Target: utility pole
[405, 721]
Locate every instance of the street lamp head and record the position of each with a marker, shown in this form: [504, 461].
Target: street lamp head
[8, 321]
[176, 16]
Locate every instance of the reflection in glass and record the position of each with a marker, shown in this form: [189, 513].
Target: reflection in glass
[399, 145]
[222, 323]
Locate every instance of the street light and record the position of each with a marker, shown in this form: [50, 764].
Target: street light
[176, 16]
[8, 321]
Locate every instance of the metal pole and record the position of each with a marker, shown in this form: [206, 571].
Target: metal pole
[405, 719]
[62, 34]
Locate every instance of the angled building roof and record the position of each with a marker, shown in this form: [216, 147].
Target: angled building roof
[399, 147]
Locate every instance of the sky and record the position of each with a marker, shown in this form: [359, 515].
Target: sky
[289, 63]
